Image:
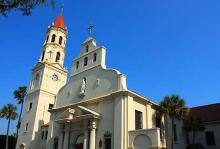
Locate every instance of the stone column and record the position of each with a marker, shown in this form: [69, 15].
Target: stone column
[66, 136]
[85, 143]
[60, 143]
[92, 134]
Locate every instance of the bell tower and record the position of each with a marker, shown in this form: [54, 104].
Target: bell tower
[53, 50]
[48, 76]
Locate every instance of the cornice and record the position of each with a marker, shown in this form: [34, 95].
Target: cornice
[37, 91]
[57, 29]
[40, 65]
[52, 65]
[55, 45]
[87, 53]
[106, 97]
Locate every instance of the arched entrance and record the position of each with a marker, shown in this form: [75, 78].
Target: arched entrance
[142, 142]
[79, 142]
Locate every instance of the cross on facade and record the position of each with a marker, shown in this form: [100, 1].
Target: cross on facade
[50, 52]
[90, 28]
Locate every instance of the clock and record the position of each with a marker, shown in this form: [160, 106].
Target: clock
[54, 77]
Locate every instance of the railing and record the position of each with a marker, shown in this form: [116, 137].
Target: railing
[153, 136]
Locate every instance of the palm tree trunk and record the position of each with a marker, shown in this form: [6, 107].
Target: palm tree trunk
[172, 132]
[6, 144]
[19, 119]
[194, 137]
[187, 137]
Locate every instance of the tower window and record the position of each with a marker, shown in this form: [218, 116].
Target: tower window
[37, 76]
[26, 127]
[94, 57]
[87, 48]
[53, 38]
[42, 135]
[58, 56]
[30, 107]
[85, 61]
[138, 120]
[42, 58]
[46, 135]
[50, 106]
[77, 64]
[60, 40]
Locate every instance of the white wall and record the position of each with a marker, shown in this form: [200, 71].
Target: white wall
[215, 128]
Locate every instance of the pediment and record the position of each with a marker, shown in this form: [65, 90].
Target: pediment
[67, 114]
[57, 65]
[88, 111]
[77, 113]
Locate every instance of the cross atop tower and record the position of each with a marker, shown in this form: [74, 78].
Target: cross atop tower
[90, 28]
[61, 11]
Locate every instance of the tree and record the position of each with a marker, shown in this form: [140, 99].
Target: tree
[19, 95]
[25, 6]
[174, 107]
[193, 125]
[8, 112]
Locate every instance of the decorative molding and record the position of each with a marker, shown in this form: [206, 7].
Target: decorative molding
[110, 96]
[107, 134]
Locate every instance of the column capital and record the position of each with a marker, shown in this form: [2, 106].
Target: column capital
[66, 127]
[93, 124]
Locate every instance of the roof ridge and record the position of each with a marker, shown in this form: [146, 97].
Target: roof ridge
[213, 104]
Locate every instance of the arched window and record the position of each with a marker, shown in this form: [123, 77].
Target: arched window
[77, 64]
[37, 76]
[42, 58]
[58, 56]
[87, 48]
[94, 57]
[85, 61]
[47, 38]
[53, 38]
[60, 40]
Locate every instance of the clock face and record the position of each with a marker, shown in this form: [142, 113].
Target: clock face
[54, 77]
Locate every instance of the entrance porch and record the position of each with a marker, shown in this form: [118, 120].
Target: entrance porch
[78, 127]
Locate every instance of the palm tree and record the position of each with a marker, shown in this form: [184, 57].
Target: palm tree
[8, 112]
[19, 95]
[193, 125]
[174, 107]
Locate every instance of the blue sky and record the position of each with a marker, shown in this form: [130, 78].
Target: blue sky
[164, 47]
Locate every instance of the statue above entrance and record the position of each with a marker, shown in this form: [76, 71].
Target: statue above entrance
[83, 87]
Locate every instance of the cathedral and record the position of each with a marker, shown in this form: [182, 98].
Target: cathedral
[93, 109]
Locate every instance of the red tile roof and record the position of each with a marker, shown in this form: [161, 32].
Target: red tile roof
[59, 22]
[206, 113]
[45, 125]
